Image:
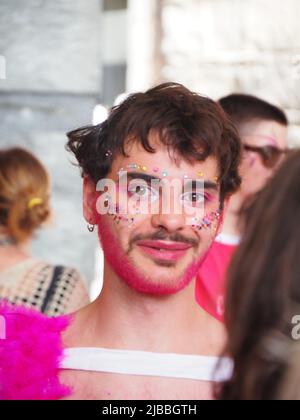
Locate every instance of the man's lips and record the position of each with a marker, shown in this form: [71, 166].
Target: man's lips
[165, 245]
[164, 250]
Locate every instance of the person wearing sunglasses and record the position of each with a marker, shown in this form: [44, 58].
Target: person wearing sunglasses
[263, 129]
[271, 155]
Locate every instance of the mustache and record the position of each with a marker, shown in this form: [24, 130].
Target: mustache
[162, 235]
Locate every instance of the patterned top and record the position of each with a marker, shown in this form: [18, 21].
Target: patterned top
[52, 290]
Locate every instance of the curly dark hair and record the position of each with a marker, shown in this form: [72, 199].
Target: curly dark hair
[191, 126]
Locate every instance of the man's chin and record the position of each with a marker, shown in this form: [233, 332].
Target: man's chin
[153, 288]
[161, 280]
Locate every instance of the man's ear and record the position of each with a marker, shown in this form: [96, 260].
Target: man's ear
[251, 158]
[89, 201]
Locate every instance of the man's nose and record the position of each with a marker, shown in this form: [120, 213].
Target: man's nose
[170, 222]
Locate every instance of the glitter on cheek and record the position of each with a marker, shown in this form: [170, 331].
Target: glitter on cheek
[208, 222]
[119, 216]
[123, 219]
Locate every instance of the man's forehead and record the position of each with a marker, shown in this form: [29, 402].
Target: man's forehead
[162, 161]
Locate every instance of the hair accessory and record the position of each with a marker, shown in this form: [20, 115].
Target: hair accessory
[108, 154]
[34, 202]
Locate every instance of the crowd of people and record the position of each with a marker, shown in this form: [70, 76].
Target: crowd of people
[199, 296]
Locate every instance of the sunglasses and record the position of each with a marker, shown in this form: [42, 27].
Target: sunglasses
[270, 155]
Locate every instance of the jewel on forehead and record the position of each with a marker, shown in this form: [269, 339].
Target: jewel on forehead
[164, 173]
[201, 174]
[185, 176]
[144, 168]
[155, 169]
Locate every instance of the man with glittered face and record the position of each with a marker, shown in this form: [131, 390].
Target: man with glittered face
[156, 175]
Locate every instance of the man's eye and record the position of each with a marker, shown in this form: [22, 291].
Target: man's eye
[139, 190]
[142, 191]
[193, 198]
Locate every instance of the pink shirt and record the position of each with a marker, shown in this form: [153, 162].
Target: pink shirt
[211, 280]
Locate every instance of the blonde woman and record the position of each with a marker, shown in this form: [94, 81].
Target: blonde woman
[24, 208]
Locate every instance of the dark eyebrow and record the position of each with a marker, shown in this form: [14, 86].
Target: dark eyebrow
[192, 184]
[145, 177]
[197, 184]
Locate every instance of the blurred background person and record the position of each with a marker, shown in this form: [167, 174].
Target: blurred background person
[263, 130]
[24, 208]
[263, 294]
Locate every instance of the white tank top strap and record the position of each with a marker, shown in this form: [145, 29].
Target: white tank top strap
[226, 239]
[128, 362]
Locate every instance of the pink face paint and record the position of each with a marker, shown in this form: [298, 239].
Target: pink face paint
[125, 269]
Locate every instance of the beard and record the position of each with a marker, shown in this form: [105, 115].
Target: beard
[129, 272]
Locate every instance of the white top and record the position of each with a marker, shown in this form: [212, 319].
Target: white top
[227, 239]
[128, 362]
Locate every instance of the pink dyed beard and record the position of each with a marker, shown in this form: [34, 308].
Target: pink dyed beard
[125, 270]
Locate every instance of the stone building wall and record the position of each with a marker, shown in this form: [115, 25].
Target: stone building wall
[53, 79]
[221, 46]
[217, 47]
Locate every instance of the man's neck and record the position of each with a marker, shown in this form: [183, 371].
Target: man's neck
[122, 318]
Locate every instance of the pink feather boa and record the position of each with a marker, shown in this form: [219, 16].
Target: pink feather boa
[30, 355]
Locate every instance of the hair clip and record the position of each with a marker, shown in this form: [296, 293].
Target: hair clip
[34, 202]
[108, 154]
